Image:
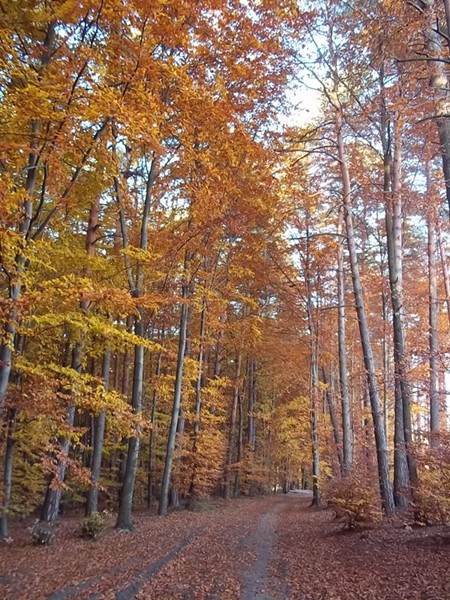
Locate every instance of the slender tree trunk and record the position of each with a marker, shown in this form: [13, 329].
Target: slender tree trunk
[219, 347]
[439, 83]
[124, 519]
[8, 473]
[369, 363]
[251, 416]
[347, 435]
[126, 363]
[164, 499]
[232, 429]
[433, 327]
[251, 434]
[393, 212]
[125, 388]
[198, 405]
[10, 444]
[15, 291]
[384, 303]
[315, 430]
[313, 331]
[152, 437]
[240, 447]
[329, 397]
[99, 435]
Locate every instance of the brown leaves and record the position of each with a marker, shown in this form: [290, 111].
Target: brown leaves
[209, 555]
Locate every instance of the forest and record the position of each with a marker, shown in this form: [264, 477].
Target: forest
[225, 260]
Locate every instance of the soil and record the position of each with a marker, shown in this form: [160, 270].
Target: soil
[271, 548]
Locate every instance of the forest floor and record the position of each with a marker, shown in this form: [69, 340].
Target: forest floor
[272, 548]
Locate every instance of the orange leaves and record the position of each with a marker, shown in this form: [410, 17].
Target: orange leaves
[137, 160]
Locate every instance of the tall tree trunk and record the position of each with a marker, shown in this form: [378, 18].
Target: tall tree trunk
[125, 388]
[15, 289]
[347, 435]
[8, 472]
[369, 362]
[251, 431]
[445, 274]
[384, 303]
[313, 331]
[433, 325]
[164, 499]
[233, 421]
[10, 444]
[329, 397]
[174, 487]
[393, 213]
[152, 437]
[198, 404]
[99, 435]
[240, 447]
[315, 430]
[251, 418]
[124, 518]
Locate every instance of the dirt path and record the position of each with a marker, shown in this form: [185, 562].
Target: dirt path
[254, 581]
[274, 548]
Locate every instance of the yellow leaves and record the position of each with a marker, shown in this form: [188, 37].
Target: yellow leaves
[69, 291]
[201, 102]
[66, 385]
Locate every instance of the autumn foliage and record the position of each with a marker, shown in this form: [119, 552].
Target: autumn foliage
[198, 301]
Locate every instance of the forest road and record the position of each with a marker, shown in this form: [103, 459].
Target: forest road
[234, 556]
[255, 584]
[264, 548]
[225, 550]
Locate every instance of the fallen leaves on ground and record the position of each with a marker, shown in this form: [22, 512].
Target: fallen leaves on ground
[208, 555]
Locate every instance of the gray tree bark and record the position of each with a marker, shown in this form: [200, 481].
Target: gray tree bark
[444, 267]
[8, 473]
[433, 337]
[232, 427]
[347, 434]
[52, 502]
[394, 236]
[152, 437]
[329, 397]
[199, 383]
[124, 518]
[99, 435]
[251, 430]
[164, 499]
[15, 291]
[369, 362]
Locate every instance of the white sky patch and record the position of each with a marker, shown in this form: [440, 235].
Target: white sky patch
[306, 107]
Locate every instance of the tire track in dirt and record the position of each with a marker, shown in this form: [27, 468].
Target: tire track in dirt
[254, 581]
[134, 584]
[258, 582]
[228, 552]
